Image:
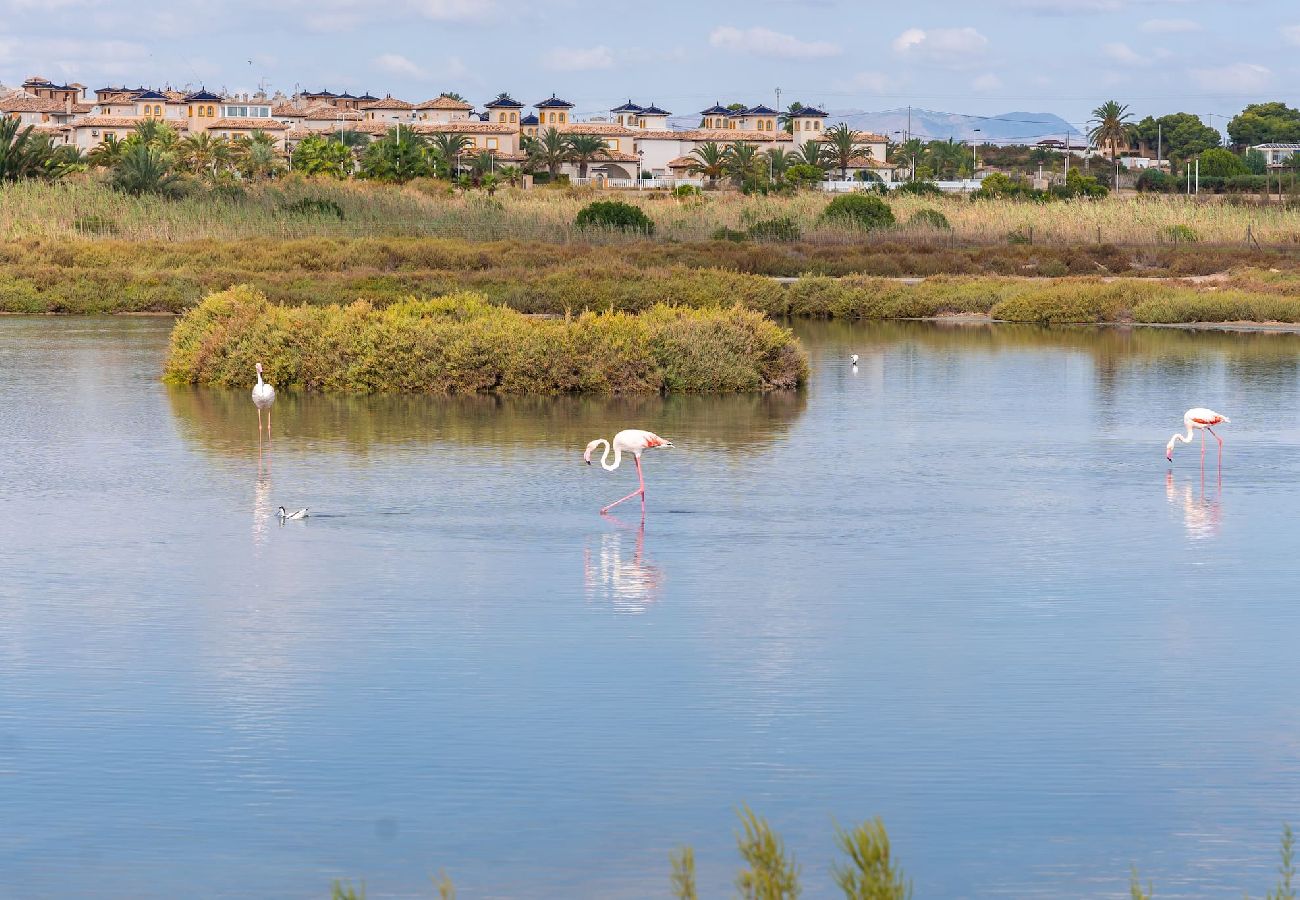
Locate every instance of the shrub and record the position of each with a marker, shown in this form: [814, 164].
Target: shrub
[782, 228]
[1218, 162]
[929, 218]
[312, 206]
[1071, 302]
[98, 225]
[615, 214]
[859, 211]
[461, 344]
[1181, 234]
[729, 234]
[684, 191]
[919, 188]
[1154, 181]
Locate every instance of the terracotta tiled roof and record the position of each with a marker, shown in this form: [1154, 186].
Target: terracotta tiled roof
[469, 127]
[445, 103]
[615, 156]
[82, 108]
[375, 129]
[596, 128]
[650, 134]
[297, 133]
[288, 110]
[324, 111]
[868, 137]
[121, 122]
[388, 103]
[259, 124]
[728, 135]
[22, 103]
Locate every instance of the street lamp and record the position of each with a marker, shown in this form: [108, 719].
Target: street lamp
[640, 161]
[973, 163]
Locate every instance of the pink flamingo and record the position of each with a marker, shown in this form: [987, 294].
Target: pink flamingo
[631, 441]
[1198, 419]
[263, 397]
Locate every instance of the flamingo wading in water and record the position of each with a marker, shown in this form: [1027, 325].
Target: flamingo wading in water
[263, 397]
[1198, 419]
[632, 441]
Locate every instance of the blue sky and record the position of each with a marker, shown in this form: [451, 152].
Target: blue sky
[1064, 56]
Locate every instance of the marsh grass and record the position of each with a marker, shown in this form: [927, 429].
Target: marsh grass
[870, 873]
[771, 871]
[682, 880]
[462, 344]
[433, 209]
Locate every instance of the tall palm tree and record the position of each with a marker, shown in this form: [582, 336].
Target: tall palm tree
[316, 155]
[842, 146]
[584, 149]
[156, 133]
[144, 169]
[786, 119]
[945, 158]
[709, 160]
[741, 161]
[257, 157]
[1112, 127]
[446, 148]
[550, 149]
[25, 154]
[202, 154]
[780, 160]
[105, 153]
[812, 153]
[350, 138]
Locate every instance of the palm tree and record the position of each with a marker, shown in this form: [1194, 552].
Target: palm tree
[511, 175]
[398, 157]
[452, 95]
[316, 155]
[156, 133]
[1112, 128]
[741, 161]
[106, 153]
[446, 149]
[842, 145]
[585, 148]
[25, 154]
[709, 160]
[350, 138]
[202, 154]
[786, 119]
[812, 153]
[550, 149]
[945, 158]
[257, 157]
[780, 160]
[143, 169]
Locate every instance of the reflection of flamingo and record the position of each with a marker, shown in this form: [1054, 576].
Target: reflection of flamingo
[631, 441]
[1201, 515]
[1200, 419]
[631, 585]
[263, 397]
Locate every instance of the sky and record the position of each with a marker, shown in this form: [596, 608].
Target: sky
[1209, 57]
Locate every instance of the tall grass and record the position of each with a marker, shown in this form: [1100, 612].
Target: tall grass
[87, 207]
[461, 344]
[770, 872]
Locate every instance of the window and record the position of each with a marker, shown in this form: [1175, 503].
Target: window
[564, 117]
[514, 117]
[212, 111]
[612, 144]
[491, 143]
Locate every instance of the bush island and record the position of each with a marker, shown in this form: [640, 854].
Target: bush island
[859, 211]
[461, 344]
[614, 214]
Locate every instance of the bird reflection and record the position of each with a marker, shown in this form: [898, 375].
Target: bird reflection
[1202, 514]
[262, 509]
[619, 573]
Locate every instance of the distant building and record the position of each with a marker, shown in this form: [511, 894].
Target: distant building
[1277, 154]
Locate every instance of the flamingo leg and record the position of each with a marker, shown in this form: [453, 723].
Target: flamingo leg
[259, 420]
[640, 490]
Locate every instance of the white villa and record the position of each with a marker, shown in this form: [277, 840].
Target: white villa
[1277, 155]
[640, 143]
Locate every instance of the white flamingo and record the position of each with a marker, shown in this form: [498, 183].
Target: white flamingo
[298, 514]
[1198, 419]
[854, 358]
[263, 397]
[632, 441]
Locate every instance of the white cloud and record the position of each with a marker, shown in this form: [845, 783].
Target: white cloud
[58, 57]
[1170, 26]
[565, 59]
[467, 11]
[1238, 78]
[1125, 55]
[948, 46]
[986, 82]
[396, 64]
[1291, 34]
[871, 83]
[765, 42]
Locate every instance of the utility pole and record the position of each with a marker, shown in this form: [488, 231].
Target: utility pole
[1067, 154]
[1160, 143]
[778, 99]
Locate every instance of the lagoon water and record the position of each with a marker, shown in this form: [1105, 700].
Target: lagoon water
[958, 588]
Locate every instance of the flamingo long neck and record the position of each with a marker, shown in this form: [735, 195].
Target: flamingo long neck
[618, 457]
[1186, 439]
[259, 377]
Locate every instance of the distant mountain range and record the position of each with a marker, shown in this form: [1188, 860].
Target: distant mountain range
[1005, 128]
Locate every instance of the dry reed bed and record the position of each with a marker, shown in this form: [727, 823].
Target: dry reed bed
[461, 344]
[84, 206]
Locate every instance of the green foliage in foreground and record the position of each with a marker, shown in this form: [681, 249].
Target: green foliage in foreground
[461, 344]
[870, 873]
[26, 154]
[859, 210]
[614, 214]
[683, 877]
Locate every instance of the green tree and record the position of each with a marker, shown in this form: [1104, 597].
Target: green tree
[740, 162]
[511, 175]
[709, 160]
[1178, 136]
[396, 158]
[683, 877]
[1110, 131]
[779, 162]
[802, 175]
[452, 95]
[25, 154]
[445, 150]
[771, 873]
[1256, 162]
[1218, 162]
[786, 119]
[203, 154]
[257, 157]
[155, 133]
[144, 169]
[585, 149]
[812, 153]
[1262, 123]
[316, 155]
[350, 138]
[106, 153]
[870, 873]
[946, 158]
[859, 211]
[842, 145]
[551, 150]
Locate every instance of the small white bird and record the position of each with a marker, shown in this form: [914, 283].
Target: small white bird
[263, 397]
[854, 357]
[285, 514]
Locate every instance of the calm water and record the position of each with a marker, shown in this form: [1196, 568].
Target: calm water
[958, 588]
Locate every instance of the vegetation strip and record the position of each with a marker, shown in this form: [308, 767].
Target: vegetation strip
[462, 344]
